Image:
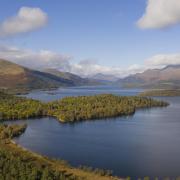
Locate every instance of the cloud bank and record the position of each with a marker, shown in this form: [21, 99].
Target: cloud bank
[160, 14]
[44, 59]
[27, 19]
[162, 60]
[35, 59]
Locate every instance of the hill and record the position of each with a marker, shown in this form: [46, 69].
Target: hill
[165, 78]
[17, 78]
[74, 79]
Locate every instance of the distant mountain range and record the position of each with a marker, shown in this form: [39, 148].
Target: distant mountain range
[104, 77]
[166, 78]
[17, 78]
[74, 79]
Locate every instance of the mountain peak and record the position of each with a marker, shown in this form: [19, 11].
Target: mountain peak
[13, 76]
[7, 67]
[168, 77]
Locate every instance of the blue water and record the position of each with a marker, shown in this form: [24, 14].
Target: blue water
[80, 91]
[145, 144]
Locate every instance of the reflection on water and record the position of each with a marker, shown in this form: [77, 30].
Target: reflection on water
[146, 144]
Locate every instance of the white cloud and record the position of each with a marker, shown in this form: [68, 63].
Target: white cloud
[162, 60]
[160, 14]
[90, 67]
[36, 60]
[44, 59]
[27, 19]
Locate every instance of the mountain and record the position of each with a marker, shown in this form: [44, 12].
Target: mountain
[105, 77]
[168, 77]
[16, 77]
[74, 79]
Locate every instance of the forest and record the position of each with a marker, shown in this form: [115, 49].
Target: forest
[17, 163]
[159, 93]
[71, 109]
[13, 107]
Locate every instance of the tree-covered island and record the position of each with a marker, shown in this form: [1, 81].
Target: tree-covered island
[72, 109]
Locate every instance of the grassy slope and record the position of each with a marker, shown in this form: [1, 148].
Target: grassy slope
[10, 68]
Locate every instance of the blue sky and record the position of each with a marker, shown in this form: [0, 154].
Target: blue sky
[103, 31]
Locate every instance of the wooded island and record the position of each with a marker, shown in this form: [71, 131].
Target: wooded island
[72, 109]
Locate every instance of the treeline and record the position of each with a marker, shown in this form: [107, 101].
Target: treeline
[21, 167]
[12, 107]
[161, 93]
[101, 172]
[71, 109]
[10, 131]
[19, 164]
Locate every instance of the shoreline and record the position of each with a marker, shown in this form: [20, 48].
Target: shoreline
[63, 165]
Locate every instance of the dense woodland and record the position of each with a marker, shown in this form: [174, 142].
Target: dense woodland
[159, 93]
[72, 109]
[19, 164]
[12, 107]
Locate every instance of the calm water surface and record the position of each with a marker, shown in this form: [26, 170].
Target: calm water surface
[146, 144]
[79, 91]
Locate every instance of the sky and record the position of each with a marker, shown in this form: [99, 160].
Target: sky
[86, 37]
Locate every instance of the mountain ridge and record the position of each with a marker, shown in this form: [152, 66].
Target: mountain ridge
[75, 79]
[15, 77]
[104, 77]
[167, 77]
